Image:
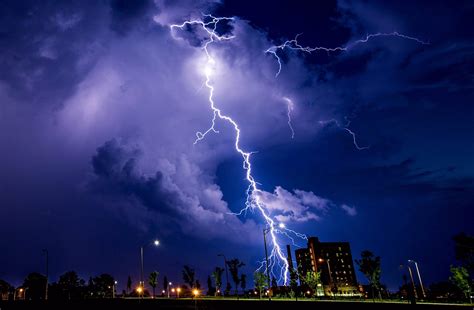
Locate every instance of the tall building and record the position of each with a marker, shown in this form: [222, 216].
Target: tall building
[334, 261]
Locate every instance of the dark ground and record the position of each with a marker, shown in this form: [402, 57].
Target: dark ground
[215, 304]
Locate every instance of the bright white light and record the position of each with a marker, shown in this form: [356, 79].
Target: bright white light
[281, 225]
[156, 242]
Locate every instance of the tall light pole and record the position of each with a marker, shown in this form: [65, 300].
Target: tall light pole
[412, 282]
[142, 281]
[265, 231]
[329, 271]
[226, 273]
[419, 277]
[47, 273]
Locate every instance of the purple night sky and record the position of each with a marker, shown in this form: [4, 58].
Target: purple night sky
[100, 103]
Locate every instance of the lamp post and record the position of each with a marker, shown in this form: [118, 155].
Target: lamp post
[114, 289]
[142, 281]
[419, 277]
[415, 295]
[226, 273]
[329, 271]
[265, 231]
[47, 272]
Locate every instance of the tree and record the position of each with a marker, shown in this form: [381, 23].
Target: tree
[294, 283]
[189, 276]
[460, 278]
[211, 290]
[370, 267]
[260, 280]
[35, 283]
[4, 289]
[102, 286]
[153, 280]
[464, 250]
[243, 282]
[217, 276]
[129, 284]
[234, 265]
[71, 285]
[312, 279]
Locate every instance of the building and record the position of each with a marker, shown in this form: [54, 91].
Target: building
[334, 261]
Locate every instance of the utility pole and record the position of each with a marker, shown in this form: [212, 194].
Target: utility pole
[265, 231]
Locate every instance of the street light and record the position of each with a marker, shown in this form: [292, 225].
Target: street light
[419, 276]
[329, 271]
[226, 273]
[265, 231]
[114, 288]
[178, 290]
[142, 282]
[415, 294]
[169, 285]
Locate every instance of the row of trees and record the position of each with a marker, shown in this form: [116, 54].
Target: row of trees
[71, 286]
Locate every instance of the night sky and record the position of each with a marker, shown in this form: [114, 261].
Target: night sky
[100, 103]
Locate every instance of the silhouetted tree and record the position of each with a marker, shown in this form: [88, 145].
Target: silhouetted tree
[234, 265]
[129, 284]
[189, 276]
[4, 289]
[217, 276]
[370, 267]
[34, 285]
[260, 280]
[464, 250]
[243, 282]
[294, 283]
[460, 278]
[71, 285]
[210, 289]
[153, 281]
[102, 286]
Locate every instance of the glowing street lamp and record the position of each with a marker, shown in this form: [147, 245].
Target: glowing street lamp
[156, 243]
[177, 291]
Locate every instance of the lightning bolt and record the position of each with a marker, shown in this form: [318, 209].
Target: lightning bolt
[290, 107]
[346, 128]
[209, 25]
[277, 258]
[294, 45]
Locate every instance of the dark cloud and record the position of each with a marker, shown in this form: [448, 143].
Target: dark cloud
[127, 15]
[100, 104]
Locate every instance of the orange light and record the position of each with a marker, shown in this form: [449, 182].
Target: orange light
[178, 289]
[173, 290]
[195, 292]
[139, 289]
